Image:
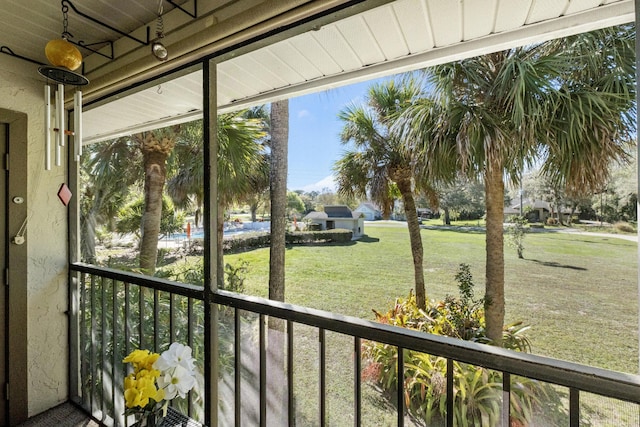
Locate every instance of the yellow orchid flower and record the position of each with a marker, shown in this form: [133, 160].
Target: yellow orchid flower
[136, 356]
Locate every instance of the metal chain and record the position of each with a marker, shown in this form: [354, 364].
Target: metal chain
[160, 22]
[65, 22]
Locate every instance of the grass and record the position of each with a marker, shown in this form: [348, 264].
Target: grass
[579, 293]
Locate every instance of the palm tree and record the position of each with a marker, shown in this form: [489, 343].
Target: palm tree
[378, 164]
[569, 101]
[278, 190]
[186, 184]
[175, 153]
[106, 176]
[259, 177]
[240, 155]
[279, 144]
[156, 146]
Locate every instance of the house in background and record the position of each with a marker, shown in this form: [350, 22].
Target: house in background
[338, 216]
[536, 211]
[369, 210]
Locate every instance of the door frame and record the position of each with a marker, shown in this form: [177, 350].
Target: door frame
[16, 262]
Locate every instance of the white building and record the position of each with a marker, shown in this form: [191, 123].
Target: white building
[338, 216]
[369, 210]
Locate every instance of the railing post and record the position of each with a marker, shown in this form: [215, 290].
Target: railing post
[506, 399]
[172, 316]
[141, 340]
[237, 345]
[400, 395]
[290, 399]
[357, 352]
[116, 359]
[103, 345]
[84, 371]
[263, 372]
[92, 348]
[449, 393]
[156, 321]
[323, 376]
[574, 407]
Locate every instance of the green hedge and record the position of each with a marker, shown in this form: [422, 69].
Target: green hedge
[338, 235]
[260, 239]
[246, 241]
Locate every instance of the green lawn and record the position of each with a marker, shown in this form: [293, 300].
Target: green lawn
[578, 293]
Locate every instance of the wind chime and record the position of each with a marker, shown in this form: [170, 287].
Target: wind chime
[64, 58]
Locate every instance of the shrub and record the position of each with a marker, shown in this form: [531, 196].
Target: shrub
[259, 239]
[477, 391]
[246, 241]
[516, 233]
[104, 236]
[334, 236]
[130, 217]
[552, 221]
[624, 227]
[234, 276]
[194, 246]
[189, 271]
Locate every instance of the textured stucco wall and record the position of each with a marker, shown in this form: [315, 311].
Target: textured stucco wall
[21, 90]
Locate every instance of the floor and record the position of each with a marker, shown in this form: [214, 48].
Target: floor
[64, 415]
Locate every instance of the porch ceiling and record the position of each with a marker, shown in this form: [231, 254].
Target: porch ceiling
[399, 36]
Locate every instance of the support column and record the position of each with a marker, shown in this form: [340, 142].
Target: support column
[637, 9]
[210, 125]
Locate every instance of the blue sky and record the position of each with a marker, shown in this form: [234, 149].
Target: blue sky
[314, 135]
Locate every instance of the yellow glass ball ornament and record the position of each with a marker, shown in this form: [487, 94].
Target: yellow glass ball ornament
[61, 53]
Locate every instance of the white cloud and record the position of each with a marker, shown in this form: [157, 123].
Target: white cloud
[303, 113]
[325, 183]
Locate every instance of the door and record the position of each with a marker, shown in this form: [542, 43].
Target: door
[4, 312]
[13, 264]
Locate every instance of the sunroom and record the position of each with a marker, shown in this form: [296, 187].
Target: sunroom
[69, 322]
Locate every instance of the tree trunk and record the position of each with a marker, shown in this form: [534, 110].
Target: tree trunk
[571, 214]
[278, 187]
[253, 207]
[88, 248]
[404, 185]
[387, 207]
[559, 209]
[494, 291]
[154, 153]
[89, 224]
[447, 218]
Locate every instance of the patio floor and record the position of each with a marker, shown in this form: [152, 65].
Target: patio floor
[64, 415]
